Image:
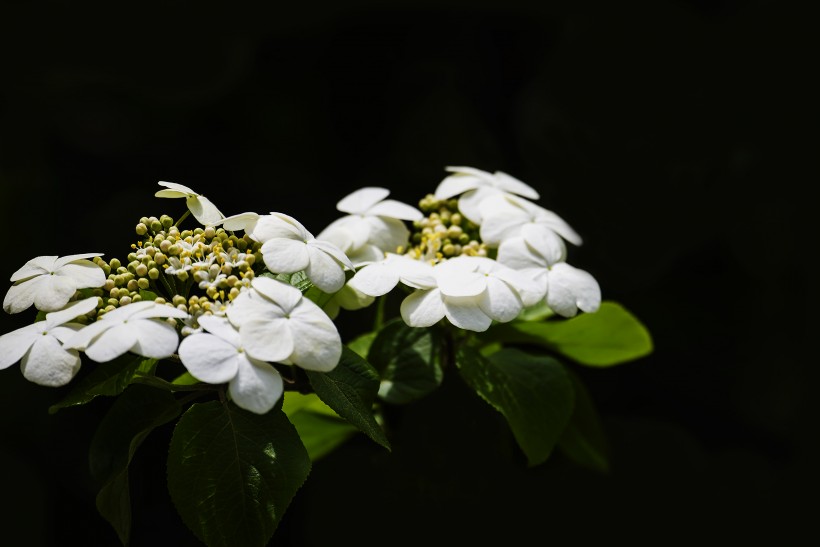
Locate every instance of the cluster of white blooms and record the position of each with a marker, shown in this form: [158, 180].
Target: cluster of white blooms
[477, 251]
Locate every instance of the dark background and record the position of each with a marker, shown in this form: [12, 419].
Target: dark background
[677, 137]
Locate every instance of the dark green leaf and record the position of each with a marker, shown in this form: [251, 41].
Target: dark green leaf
[107, 379]
[233, 473]
[610, 336]
[135, 413]
[361, 344]
[350, 390]
[408, 360]
[534, 393]
[583, 440]
[319, 427]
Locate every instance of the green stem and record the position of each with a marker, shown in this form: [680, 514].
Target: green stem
[183, 217]
[378, 322]
[162, 384]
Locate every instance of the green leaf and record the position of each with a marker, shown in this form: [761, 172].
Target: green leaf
[583, 440]
[537, 312]
[135, 413]
[350, 390]
[408, 360]
[145, 294]
[361, 344]
[610, 336]
[232, 473]
[534, 393]
[109, 379]
[319, 427]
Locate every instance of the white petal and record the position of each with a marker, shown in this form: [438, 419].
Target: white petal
[351, 299]
[209, 358]
[395, 209]
[53, 293]
[545, 242]
[316, 341]
[368, 254]
[283, 295]
[500, 301]
[48, 364]
[285, 255]
[64, 332]
[36, 266]
[256, 387]
[272, 226]
[388, 234]
[324, 271]
[270, 340]
[511, 184]
[423, 308]
[454, 185]
[112, 343]
[332, 250]
[348, 232]
[181, 191]
[204, 210]
[529, 283]
[15, 344]
[469, 204]
[515, 253]
[83, 274]
[571, 289]
[153, 310]
[220, 327]
[362, 199]
[71, 311]
[462, 283]
[86, 335]
[21, 296]
[243, 221]
[375, 279]
[62, 261]
[156, 339]
[464, 170]
[465, 313]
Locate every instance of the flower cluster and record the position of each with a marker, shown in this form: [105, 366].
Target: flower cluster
[239, 299]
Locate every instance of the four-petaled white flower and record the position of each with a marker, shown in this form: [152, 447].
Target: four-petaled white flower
[39, 348]
[289, 248]
[471, 292]
[217, 357]
[133, 328]
[374, 225]
[201, 207]
[475, 185]
[379, 278]
[49, 282]
[277, 324]
[567, 288]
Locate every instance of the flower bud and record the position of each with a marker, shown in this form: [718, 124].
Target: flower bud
[153, 273]
[141, 229]
[166, 221]
[143, 283]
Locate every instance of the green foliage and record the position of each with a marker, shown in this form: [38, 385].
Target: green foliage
[108, 379]
[134, 414]
[319, 427]
[408, 360]
[610, 336]
[232, 473]
[534, 393]
[350, 390]
[583, 440]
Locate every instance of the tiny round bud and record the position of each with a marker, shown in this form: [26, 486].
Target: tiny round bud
[182, 276]
[125, 300]
[143, 283]
[141, 270]
[141, 229]
[132, 285]
[156, 226]
[166, 221]
[115, 263]
[153, 273]
[164, 245]
[177, 300]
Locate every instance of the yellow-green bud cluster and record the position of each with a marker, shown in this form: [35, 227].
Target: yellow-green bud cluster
[443, 233]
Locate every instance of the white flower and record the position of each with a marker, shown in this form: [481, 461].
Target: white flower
[277, 324]
[217, 357]
[133, 328]
[568, 289]
[471, 292]
[373, 225]
[38, 347]
[475, 185]
[201, 207]
[506, 217]
[49, 282]
[289, 248]
[379, 278]
[346, 298]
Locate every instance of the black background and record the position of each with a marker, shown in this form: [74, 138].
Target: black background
[677, 137]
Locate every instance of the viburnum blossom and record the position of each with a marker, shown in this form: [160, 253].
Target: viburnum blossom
[374, 225]
[217, 357]
[277, 324]
[49, 282]
[474, 186]
[471, 292]
[134, 328]
[289, 248]
[201, 207]
[39, 347]
[567, 289]
[379, 278]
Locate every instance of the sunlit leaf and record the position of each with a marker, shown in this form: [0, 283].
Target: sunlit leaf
[610, 336]
[320, 428]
